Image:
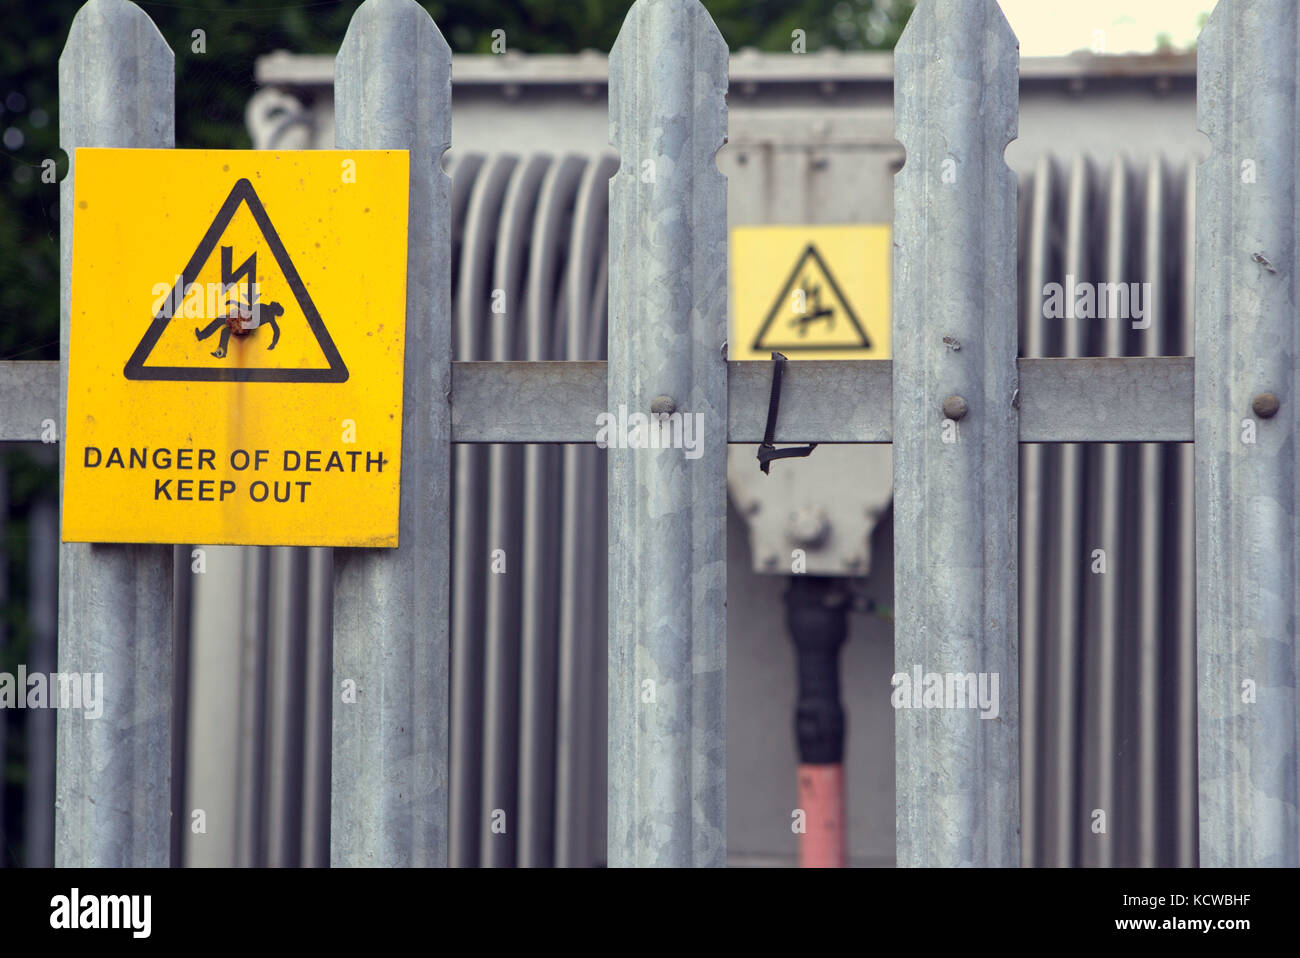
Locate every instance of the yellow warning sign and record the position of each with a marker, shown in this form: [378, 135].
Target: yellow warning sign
[236, 356]
[810, 292]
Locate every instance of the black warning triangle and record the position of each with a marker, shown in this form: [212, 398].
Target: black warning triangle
[337, 372]
[769, 339]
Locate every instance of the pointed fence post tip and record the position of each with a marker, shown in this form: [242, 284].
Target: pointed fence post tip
[389, 769]
[956, 101]
[667, 513]
[116, 89]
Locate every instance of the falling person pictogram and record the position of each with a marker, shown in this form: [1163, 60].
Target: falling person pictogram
[813, 315]
[819, 312]
[242, 319]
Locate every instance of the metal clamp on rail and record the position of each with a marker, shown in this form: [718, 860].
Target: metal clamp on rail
[767, 452]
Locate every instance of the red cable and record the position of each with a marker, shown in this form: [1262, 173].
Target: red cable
[824, 843]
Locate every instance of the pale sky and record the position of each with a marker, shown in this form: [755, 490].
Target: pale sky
[1056, 27]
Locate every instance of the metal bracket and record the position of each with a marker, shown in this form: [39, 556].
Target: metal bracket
[767, 452]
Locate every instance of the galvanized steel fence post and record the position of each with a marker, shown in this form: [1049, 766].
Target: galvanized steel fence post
[113, 783]
[392, 90]
[1247, 391]
[956, 430]
[667, 513]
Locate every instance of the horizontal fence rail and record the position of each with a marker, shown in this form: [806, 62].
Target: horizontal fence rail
[1095, 399]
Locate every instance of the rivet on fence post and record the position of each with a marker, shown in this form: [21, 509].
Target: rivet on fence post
[392, 90]
[113, 787]
[667, 512]
[663, 406]
[955, 408]
[1265, 405]
[956, 109]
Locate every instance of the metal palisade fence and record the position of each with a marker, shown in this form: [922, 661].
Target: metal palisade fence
[955, 402]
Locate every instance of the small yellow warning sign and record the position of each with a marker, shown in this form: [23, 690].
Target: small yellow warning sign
[237, 347]
[810, 292]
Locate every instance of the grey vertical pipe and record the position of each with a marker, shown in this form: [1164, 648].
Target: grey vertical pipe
[599, 759]
[392, 90]
[4, 641]
[116, 89]
[499, 828]
[542, 497]
[581, 637]
[574, 707]
[286, 705]
[318, 699]
[1032, 489]
[667, 513]
[1069, 563]
[1246, 345]
[250, 844]
[43, 599]
[182, 658]
[1151, 534]
[1185, 659]
[1105, 621]
[473, 551]
[955, 542]
[215, 733]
